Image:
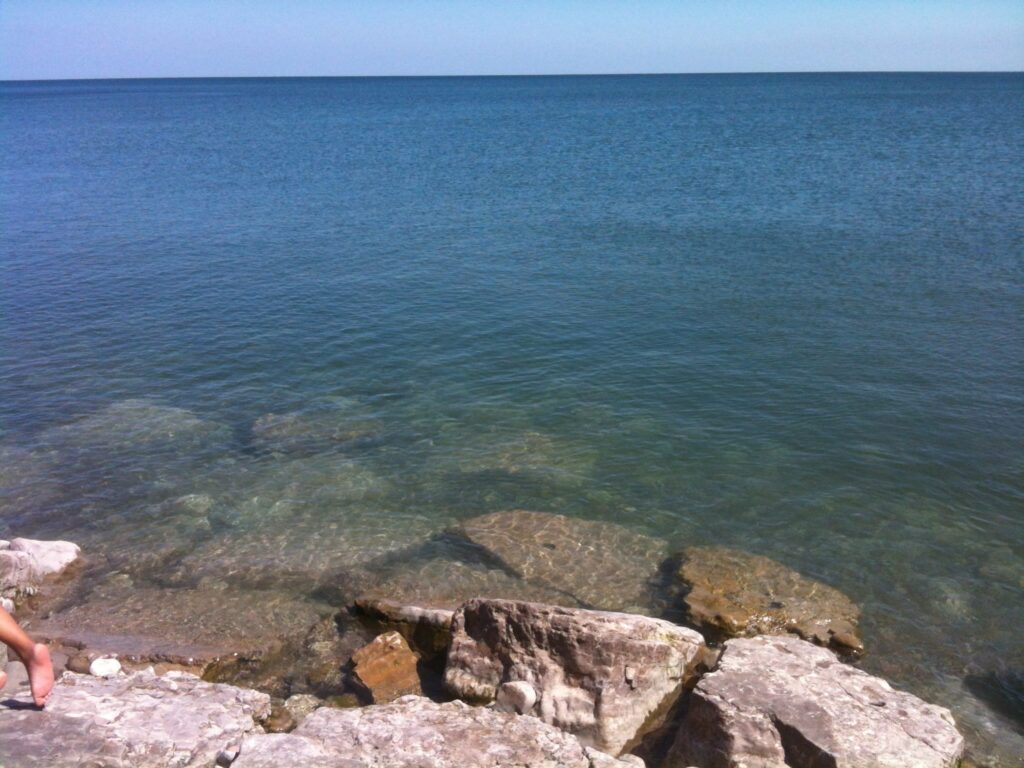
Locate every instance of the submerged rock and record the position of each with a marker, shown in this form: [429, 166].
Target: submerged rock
[134, 721]
[443, 583]
[385, 668]
[26, 563]
[733, 593]
[608, 678]
[132, 424]
[414, 732]
[235, 630]
[781, 701]
[598, 564]
[313, 430]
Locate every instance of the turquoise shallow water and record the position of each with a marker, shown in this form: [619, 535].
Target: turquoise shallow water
[781, 313]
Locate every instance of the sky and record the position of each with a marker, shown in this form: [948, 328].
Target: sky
[51, 39]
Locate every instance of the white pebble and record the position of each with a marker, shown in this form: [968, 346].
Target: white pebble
[104, 667]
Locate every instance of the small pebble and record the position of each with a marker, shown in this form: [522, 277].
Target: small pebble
[105, 667]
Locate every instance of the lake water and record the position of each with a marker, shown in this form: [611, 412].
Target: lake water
[780, 313]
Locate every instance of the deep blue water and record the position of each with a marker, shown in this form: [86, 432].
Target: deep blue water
[783, 313]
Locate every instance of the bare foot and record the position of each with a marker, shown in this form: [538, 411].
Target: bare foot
[3, 679]
[40, 674]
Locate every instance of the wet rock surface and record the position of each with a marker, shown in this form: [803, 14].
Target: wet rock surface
[133, 721]
[414, 732]
[386, 669]
[440, 582]
[734, 594]
[781, 701]
[190, 627]
[597, 564]
[608, 678]
[427, 630]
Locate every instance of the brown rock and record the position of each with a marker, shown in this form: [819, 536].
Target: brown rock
[736, 594]
[386, 668]
[428, 630]
[597, 564]
[280, 719]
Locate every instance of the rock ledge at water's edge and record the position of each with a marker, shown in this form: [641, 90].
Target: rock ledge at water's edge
[564, 687]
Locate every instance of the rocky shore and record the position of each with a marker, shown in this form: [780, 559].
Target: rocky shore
[752, 666]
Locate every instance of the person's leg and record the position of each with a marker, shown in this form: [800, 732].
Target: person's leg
[35, 657]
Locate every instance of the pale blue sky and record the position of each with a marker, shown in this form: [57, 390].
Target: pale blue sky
[170, 38]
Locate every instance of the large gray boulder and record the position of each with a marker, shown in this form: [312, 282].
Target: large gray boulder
[133, 721]
[414, 732]
[597, 564]
[736, 594]
[26, 563]
[781, 701]
[608, 678]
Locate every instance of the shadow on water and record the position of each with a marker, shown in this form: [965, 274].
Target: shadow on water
[1002, 692]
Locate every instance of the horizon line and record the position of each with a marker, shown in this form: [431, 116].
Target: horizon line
[522, 75]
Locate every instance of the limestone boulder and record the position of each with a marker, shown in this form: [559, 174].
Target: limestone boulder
[736, 594]
[780, 701]
[608, 678]
[414, 732]
[598, 564]
[385, 668]
[134, 721]
[26, 563]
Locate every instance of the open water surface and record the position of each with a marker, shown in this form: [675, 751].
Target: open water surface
[782, 313]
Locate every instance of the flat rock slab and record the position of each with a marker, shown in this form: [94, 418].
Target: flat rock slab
[600, 565]
[185, 626]
[134, 721]
[737, 594]
[414, 732]
[781, 701]
[438, 582]
[608, 678]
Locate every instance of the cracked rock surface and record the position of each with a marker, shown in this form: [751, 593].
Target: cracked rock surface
[414, 732]
[131, 721]
[608, 678]
[780, 701]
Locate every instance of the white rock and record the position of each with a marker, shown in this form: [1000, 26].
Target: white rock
[775, 697]
[576, 661]
[50, 556]
[25, 563]
[104, 667]
[517, 696]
